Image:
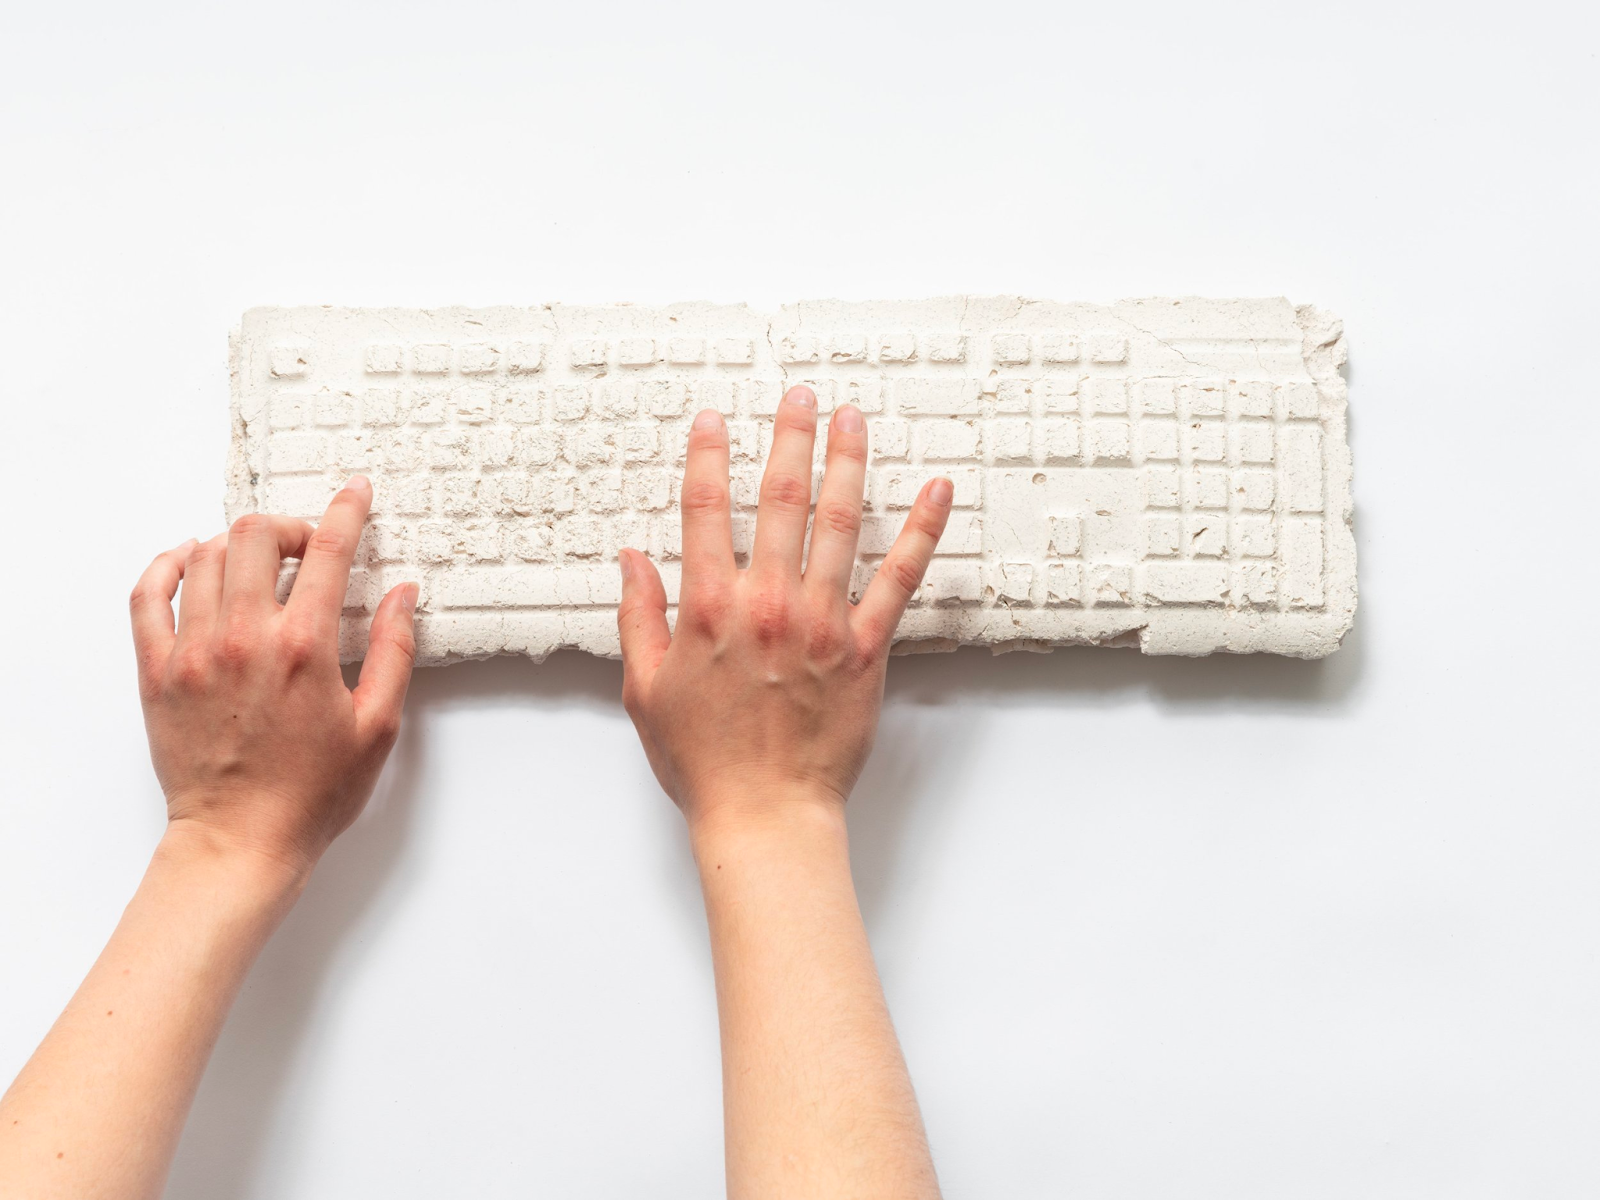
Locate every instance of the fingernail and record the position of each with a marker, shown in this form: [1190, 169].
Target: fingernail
[626, 561]
[801, 395]
[408, 596]
[849, 419]
[941, 491]
[708, 419]
[358, 483]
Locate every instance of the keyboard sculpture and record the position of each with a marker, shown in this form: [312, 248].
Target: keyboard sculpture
[1166, 474]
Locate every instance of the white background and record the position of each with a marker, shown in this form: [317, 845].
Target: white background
[1234, 927]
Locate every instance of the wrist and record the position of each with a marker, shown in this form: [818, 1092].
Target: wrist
[801, 823]
[236, 868]
[713, 810]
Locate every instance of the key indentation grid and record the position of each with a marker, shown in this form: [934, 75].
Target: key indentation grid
[1167, 473]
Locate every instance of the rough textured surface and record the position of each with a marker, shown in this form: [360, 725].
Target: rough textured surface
[1167, 474]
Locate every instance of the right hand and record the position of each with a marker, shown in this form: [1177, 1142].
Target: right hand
[768, 691]
[258, 744]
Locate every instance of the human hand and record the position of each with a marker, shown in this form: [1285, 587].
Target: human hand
[769, 688]
[257, 742]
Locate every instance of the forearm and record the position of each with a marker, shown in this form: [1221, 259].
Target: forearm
[817, 1098]
[97, 1111]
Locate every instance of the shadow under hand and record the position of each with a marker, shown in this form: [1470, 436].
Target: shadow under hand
[915, 768]
[241, 1098]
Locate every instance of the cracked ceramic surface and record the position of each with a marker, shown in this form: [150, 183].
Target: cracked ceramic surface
[1171, 474]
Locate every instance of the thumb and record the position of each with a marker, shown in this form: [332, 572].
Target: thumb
[641, 617]
[391, 649]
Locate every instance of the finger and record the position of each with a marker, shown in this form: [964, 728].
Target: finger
[707, 526]
[786, 485]
[201, 598]
[837, 525]
[386, 672]
[318, 594]
[151, 608]
[257, 546]
[901, 574]
[641, 621]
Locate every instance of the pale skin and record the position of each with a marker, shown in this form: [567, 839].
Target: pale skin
[757, 713]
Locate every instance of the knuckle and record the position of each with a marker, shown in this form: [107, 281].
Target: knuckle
[785, 490]
[869, 648]
[926, 522]
[825, 638]
[795, 418]
[250, 525]
[704, 498]
[384, 726]
[188, 672]
[329, 541]
[708, 439]
[770, 615]
[904, 574]
[704, 608]
[404, 642]
[237, 646]
[850, 447]
[205, 551]
[299, 645]
[699, 621]
[839, 517]
[633, 619]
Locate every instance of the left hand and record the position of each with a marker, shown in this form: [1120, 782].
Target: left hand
[256, 740]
